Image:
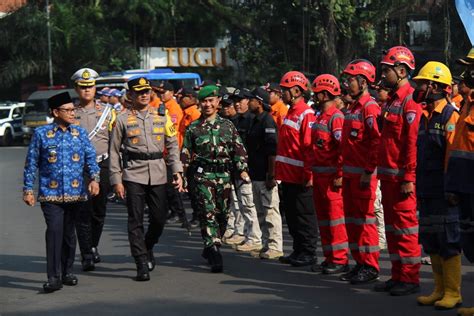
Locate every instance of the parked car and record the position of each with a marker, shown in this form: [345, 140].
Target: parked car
[11, 115]
[37, 110]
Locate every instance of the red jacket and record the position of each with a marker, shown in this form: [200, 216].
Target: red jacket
[293, 160]
[326, 141]
[360, 137]
[397, 150]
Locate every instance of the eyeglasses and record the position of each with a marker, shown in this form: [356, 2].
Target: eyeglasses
[68, 111]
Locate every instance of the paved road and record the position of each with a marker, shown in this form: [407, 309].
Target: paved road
[181, 283]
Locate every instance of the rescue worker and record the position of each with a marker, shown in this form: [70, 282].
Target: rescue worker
[97, 119]
[140, 175]
[360, 138]
[293, 169]
[261, 148]
[456, 96]
[155, 100]
[327, 176]
[213, 148]
[459, 177]
[251, 240]
[279, 109]
[396, 171]
[60, 153]
[439, 224]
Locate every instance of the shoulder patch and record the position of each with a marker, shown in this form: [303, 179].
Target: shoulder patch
[410, 116]
[450, 127]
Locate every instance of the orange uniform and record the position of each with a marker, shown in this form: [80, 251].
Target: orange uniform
[175, 112]
[279, 112]
[155, 103]
[191, 114]
[457, 100]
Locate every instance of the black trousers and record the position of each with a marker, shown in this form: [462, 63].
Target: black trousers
[191, 191]
[155, 197]
[466, 207]
[60, 237]
[300, 217]
[175, 202]
[90, 223]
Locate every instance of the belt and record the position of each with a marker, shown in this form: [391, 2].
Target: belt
[144, 156]
[215, 168]
[102, 157]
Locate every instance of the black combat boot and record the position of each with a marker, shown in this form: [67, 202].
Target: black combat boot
[151, 260]
[143, 273]
[215, 259]
[52, 285]
[70, 279]
[95, 255]
[88, 263]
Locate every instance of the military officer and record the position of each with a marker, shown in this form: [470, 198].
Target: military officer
[140, 175]
[61, 153]
[97, 119]
[213, 148]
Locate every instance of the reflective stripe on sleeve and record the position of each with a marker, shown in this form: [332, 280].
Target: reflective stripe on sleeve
[290, 161]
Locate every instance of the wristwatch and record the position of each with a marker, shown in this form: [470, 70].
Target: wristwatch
[96, 178]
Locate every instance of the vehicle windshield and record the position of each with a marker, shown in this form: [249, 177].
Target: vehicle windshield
[37, 106]
[4, 113]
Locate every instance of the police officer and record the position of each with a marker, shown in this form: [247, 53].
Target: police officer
[61, 153]
[439, 223]
[97, 119]
[213, 148]
[141, 177]
[261, 147]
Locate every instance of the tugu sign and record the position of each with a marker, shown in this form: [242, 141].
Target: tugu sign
[152, 57]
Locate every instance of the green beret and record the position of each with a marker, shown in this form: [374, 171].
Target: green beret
[208, 91]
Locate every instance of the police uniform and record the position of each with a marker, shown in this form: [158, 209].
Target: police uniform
[215, 150]
[144, 136]
[61, 157]
[97, 120]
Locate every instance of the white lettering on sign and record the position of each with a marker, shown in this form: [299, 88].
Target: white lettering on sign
[152, 57]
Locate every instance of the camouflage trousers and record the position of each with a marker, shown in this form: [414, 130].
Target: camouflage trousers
[212, 194]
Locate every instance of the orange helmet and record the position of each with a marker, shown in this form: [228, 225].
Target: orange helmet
[399, 55]
[326, 82]
[294, 78]
[361, 67]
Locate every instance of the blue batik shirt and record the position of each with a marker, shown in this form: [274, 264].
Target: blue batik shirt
[62, 158]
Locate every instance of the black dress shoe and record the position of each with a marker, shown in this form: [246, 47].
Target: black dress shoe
[194, 222]
[303, 260]
[95, 255]
[215, 259]
[52, 285]
[88, 263]
[334, 268]
[349, 275]
[143, 273]
[366, 274]
[70, 279]
[286, 259]
[385, 286]
[404, 288]
[151, 260]
[318, 267]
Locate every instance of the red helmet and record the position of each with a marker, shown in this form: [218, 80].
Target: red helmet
[399, 55]
[361, 67]
[326, 82]
[294, 78]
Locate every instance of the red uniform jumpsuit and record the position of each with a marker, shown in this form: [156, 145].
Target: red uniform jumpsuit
[397, 164]
[326, 165]
[360, 138]
[293, 168]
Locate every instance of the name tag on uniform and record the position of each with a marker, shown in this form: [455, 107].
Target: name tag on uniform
[270, 130]
[199, 170]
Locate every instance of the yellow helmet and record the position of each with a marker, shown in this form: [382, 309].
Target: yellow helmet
[435, 71]
[468, 60]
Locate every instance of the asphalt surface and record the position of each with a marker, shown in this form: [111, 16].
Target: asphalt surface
[181, 283]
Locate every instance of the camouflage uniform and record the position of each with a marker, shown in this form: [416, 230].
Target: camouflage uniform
[213, 149]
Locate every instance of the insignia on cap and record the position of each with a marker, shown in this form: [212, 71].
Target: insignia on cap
[142, 81]
[86, 74]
